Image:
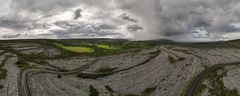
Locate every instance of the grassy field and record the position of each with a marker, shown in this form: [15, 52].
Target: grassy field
[104, 46]
[76, 49]
[99, 48]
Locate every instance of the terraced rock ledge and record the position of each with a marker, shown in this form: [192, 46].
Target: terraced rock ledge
[118, 68]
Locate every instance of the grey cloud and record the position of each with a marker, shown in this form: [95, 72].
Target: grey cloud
[134, 28]
[128, 18]
[175, 17]
[68, 25]
[78, 14]
[21, 25]
[83, 30]
[47, 6]
[11, 36]
[44, 6]
[215, 15]
[13, 24]
[158, 17]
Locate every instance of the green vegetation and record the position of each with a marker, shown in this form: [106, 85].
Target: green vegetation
[148, 91]
[173, 60]
[106, 70]
[90, 76]
[107, 87]
[3, 73]
[135, 45]
[1, 86]
[99, 48]
[76, 49]
[93, 91]
[104, 46]
[200, 89]
[215, 79]
[59, 76]
[130, 95]
[23, 64]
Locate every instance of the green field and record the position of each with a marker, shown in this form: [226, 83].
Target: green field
[76, 49]
[108, 47]
[98, 48]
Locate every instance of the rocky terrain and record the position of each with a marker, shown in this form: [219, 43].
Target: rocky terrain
[150, 68]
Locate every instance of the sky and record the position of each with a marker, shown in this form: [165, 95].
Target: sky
[179, 20]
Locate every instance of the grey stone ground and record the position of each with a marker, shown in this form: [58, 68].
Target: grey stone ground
[145, 73]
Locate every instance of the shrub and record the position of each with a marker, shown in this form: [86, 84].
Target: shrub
[93, 91]
[59, 76]
[90, 76]
[105, 70]
[108, 88]
[3, 73]
[148, 91]
[1, 86]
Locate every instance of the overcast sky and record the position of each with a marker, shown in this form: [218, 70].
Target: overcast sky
[180, 20]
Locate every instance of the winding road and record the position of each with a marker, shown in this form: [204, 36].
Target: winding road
[24, 76]
[192, 88]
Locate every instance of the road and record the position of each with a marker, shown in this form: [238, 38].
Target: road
[192, 88]
[24, 77]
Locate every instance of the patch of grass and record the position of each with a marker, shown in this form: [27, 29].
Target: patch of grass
[23, 64]
[93, 91]
[4, 61]
[108, 47]
[181, 59]
[128, 45]
[171, 60]
[70, 48]
[3, 73]
[1, 86]
[200, 89]
[109, 88]
[79, 49]
[148, 91]
[76, 49]
[59, 76]
[215, 80]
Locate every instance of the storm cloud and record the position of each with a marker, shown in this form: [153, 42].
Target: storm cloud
[134, 19]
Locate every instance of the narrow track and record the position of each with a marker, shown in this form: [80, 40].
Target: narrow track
[24, 77]
[192, 88]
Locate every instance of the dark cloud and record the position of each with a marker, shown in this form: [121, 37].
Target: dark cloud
[176, 17]
[13, 24]
[77, 14]
[128, 18]
[83, 30]
[134, 28]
